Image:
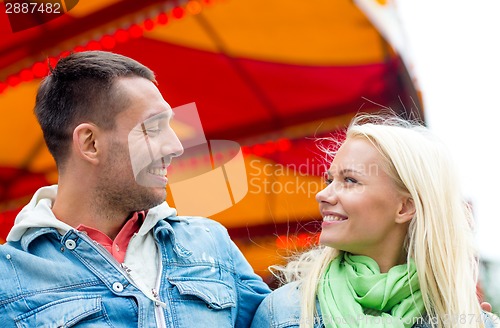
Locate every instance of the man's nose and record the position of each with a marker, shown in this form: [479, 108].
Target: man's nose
[172, 145]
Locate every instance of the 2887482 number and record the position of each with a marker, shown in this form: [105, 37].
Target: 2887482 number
[32, 8]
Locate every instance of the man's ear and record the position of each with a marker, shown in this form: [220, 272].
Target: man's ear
[406, 211]
[85, 143]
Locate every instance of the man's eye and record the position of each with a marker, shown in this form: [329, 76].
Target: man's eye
[153, 132]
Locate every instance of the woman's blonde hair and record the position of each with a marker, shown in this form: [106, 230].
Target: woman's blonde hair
[439, 238]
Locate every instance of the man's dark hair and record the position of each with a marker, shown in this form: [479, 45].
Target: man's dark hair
[81, 89]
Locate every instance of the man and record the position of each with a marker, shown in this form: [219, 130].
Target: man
[103, 248]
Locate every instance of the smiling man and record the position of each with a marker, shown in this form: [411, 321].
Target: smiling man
[103, 247]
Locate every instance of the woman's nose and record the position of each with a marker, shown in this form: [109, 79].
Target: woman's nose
[327, 195]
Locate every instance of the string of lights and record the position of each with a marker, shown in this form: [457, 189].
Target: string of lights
[39, 69]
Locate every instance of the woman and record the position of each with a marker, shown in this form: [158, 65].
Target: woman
[396, 241]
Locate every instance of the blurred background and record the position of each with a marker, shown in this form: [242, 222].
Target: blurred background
[273, 76]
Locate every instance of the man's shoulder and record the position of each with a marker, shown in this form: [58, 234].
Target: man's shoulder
[4, 253]
[8, 275]
[7, 249]
[199, 221]
[195, 229]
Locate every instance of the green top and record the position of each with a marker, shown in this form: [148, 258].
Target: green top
[353, 293]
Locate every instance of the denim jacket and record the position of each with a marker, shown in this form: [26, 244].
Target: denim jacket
[281, 309]
[49, 279]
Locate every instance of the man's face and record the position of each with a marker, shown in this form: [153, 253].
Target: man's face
[139, 148]
[149, 144]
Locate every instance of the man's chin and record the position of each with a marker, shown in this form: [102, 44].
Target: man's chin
[160, 194]
[152, 186]
[152, 198]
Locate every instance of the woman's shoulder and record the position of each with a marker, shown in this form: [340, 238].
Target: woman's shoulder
[291, 289]
[280, 309]
[490, 320]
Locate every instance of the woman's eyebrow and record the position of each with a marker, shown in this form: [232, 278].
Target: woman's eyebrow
[349, 170]
[345, 171]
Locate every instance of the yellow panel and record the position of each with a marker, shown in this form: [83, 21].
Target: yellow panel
[86, 7]
[208, 193]
[185, 32]
[43, 162]
[275, 194]
[20, 130]
[253, 208]
[261, 253]
[319, 32]
[295, 197]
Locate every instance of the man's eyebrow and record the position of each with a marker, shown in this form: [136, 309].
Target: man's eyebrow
[165, 114]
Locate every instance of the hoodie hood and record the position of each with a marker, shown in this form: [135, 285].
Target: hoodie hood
[38, 214]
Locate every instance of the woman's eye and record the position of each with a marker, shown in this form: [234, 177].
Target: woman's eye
[328, 181]
[350, 180]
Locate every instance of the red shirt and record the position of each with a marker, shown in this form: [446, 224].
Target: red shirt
[117, 247]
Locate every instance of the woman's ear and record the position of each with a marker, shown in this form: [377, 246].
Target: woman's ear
[406, 211]
[85, 143]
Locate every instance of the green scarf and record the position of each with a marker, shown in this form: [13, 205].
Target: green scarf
[353, 293]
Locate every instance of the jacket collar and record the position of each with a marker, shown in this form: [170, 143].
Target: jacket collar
[37, 218]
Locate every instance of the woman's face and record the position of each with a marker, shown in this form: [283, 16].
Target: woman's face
[361, 206]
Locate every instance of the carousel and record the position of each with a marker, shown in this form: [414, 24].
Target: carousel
[262, 82]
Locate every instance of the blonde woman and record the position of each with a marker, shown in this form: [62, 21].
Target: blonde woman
[396, 241]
